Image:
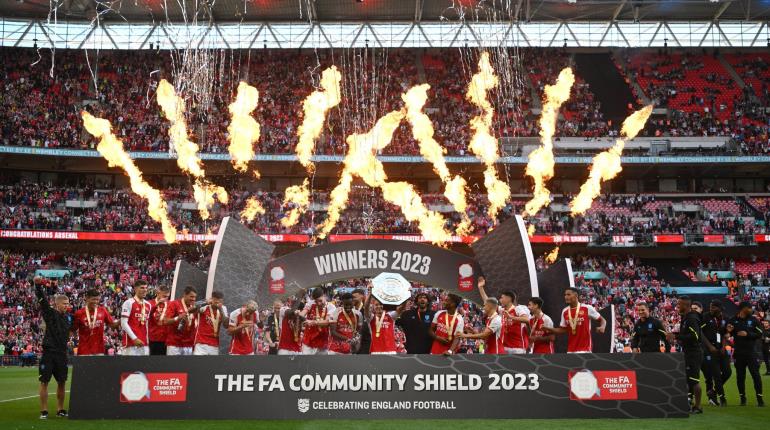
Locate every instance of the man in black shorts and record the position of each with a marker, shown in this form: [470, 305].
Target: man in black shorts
[54, 361]
[690, 339]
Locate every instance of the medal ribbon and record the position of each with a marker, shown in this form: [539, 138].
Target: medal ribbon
[216, 316]
[91, 323]
[378, 323]
[450, 327]
[573, 321]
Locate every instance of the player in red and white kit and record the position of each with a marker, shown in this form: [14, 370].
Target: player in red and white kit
[134, 316]
[181, 317]
[576, 322]
[540, 342]
[89, 322]
[382, 325]
[447, 325]
[242, 327]
[210, 319]
[159, 332]
[492, 328]
[515, 319]
[317, 315]
[345, 326]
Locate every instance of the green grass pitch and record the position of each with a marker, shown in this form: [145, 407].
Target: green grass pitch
[19, 410]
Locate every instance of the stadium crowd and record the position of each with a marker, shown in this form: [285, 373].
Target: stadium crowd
[94, 206]
[40, 104]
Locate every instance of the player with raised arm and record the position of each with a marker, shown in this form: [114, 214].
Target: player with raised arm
[515, 318]
[134, 320]
[382, 325]
[576, 323]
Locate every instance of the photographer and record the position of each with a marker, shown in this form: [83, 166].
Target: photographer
[54, 361]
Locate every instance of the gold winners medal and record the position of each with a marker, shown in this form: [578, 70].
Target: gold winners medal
[450, 325]
[573, 320]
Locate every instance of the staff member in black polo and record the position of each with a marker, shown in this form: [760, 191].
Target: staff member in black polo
[648, 332]
[57, 334]
[716, 363]
[689, 338]
[416, 323]
[273, 328]
[746, 330]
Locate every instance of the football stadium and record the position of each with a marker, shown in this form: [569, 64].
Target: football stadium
[384, 213]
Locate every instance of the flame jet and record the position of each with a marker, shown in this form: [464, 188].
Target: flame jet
[541, 162]
[111, 148]
[483, 144]
[422, 130]
[187, 150]
[315, 107]
[362, 162]
[606, 165]
[551, 257]
[243, 129]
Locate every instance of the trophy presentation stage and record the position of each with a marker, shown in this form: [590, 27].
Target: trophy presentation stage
[598, 385]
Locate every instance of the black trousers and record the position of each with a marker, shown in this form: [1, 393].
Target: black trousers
[742, 362]
[157, 348]
[716, 371]
[766, 357]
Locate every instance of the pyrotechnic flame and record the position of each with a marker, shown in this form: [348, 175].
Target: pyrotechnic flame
[483, 144]
[530, 230]
[606, 165]
[111, 148]
[243, 129]
[551, 257]
[541, 162]
[338, 201]
[298, 195]
[422, 130]
[315, 107]
[362, 162]
[253, 207]
[187, 150]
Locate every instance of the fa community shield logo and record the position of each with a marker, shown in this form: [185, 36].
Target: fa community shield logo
[303, 405]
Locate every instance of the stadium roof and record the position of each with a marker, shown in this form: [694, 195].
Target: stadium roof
[390, 10]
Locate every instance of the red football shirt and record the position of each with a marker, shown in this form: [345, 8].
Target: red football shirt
[90, 327]
[137, 315]
[443, 324]
[288, 339]
[580, 341]
[384, 339]
[346, 326]
[208, 318]
[186, 336]
[493, 344]
[242, 342]
[515, 334]
[158, 333]
[315, 336]
[537, 325]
